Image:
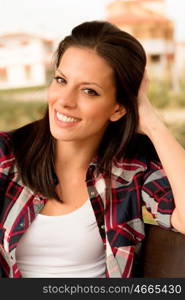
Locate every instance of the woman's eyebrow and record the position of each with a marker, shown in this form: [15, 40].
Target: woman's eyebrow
[59, 71]
[84, 82]
[87, 83]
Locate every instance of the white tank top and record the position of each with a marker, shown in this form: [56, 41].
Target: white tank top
[69, 245]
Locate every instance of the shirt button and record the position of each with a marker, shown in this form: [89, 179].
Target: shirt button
[92, 193]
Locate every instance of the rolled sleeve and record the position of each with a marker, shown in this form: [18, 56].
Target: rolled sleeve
[157, 195]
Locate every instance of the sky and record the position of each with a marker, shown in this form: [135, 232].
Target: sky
[58, 17]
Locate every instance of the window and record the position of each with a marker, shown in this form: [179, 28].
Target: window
[28, 74]
[3, 74]
[48, 46]
[24, 42]
[155, 58]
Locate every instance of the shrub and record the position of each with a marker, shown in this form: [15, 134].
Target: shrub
[160, 93]
[15, 114]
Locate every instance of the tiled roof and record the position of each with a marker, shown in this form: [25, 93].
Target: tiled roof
[133, 12]
[136, 19]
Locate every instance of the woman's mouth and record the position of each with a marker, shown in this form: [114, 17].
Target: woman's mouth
[64, 118]
[64, 121]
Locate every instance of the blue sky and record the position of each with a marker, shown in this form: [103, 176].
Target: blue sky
[60, 16]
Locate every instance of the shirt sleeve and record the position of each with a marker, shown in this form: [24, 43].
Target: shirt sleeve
[5, 147]
[157, 195]
[6, 156]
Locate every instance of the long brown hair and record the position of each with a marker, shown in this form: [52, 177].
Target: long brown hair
[35, 146]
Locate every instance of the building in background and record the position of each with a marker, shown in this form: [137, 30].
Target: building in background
[180, 59]
[24, 60]
[146, 20]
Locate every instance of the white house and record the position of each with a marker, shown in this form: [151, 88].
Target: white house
[24, 60]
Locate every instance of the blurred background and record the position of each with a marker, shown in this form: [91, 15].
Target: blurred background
[31, 30]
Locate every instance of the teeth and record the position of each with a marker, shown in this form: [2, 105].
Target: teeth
[63, 118]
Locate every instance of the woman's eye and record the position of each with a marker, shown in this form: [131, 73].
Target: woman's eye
[91, 92]
[59, 79]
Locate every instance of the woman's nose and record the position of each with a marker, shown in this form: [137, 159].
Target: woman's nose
[67, 99]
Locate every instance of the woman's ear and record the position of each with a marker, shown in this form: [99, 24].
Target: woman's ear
[118, 113]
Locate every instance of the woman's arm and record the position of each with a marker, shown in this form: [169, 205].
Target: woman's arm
[170, 152]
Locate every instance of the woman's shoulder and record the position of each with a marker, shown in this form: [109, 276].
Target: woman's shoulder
[139, 156]
[9, 140]
[142, 149]
[6, 145]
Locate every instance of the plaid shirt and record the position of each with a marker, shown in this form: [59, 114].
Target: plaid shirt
[117, 204]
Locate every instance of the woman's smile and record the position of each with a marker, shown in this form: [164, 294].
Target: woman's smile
[65, 121]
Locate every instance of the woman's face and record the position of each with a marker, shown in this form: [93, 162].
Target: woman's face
[82, 97]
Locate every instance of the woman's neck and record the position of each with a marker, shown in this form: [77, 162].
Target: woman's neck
[76, 156]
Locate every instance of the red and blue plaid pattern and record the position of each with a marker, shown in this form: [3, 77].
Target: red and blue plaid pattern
[117, 204]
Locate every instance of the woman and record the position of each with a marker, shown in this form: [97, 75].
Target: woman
[72, 184]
